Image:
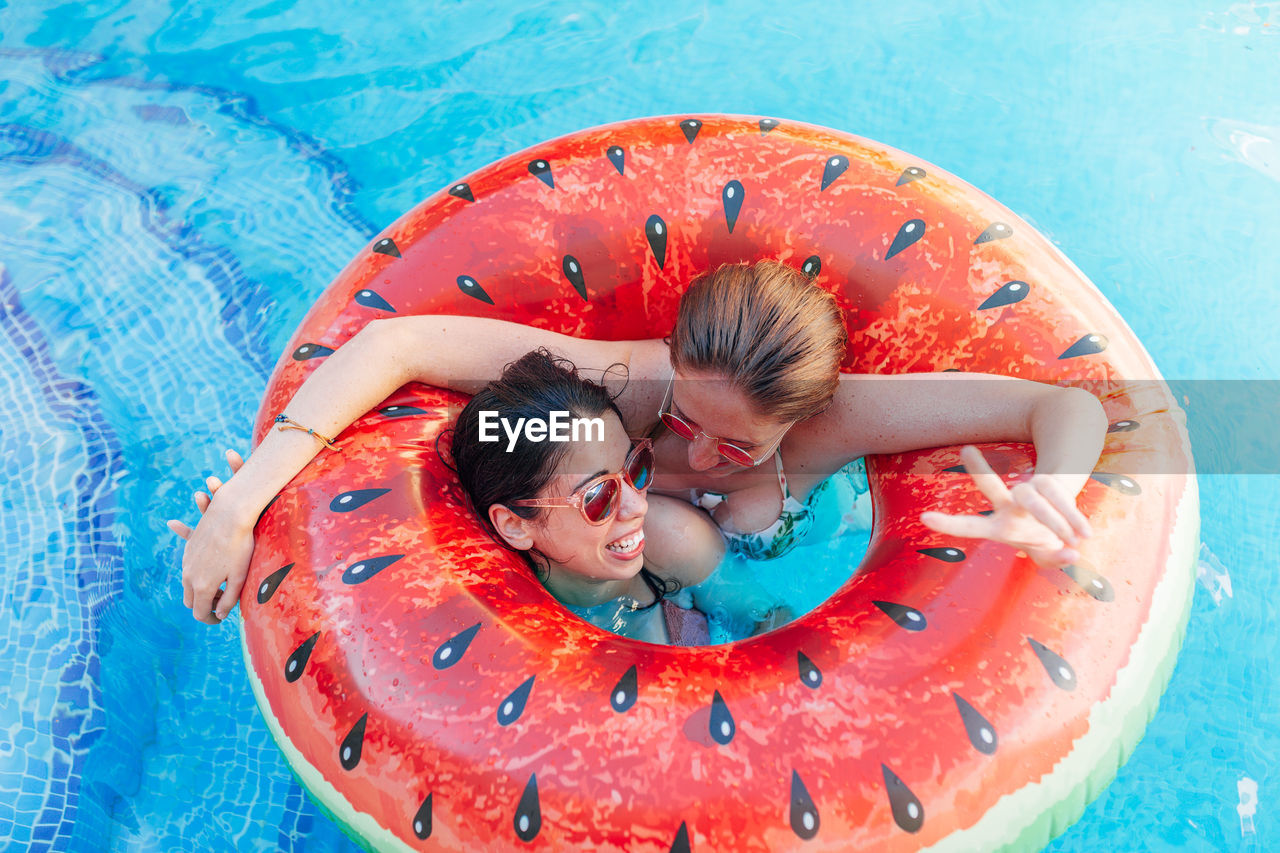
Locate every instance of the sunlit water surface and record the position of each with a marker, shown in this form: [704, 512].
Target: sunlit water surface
[177, 187]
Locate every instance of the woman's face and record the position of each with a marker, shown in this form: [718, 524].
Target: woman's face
[722, 413]
[578, 550]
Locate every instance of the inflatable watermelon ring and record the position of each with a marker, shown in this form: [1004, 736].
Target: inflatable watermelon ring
[430, 694]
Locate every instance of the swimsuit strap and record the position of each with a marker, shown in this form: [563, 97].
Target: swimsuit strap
[782, 478]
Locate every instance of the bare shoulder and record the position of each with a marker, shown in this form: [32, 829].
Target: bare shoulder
[681, 542]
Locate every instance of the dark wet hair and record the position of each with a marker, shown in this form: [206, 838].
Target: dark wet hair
[533, 386]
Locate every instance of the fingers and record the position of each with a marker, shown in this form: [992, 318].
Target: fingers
[1050, 558]
[1029, 498]
[1064, 503]
[227, 599]
[202, 604]
[987, 480]
[214, 483]
[179, 529]
[966, 526]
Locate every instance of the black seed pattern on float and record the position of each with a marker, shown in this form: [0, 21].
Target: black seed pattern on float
[370, 299]
[910, 232]
[269, 584]
[1059, 670]
[309, 351]
[573, 272]
[471, 287]
[262, 514]
[462, 191]
[907, 811]
[1123, 426]
[528, 819]
[722, 727]
[911, 173]
[513, 706]
[361, 570]
[994, 231]
[981, 733]
[834, 168]
[452, 650]
[348, 501]
[1088, 345]
[422, 820]
[812, 266]
[804, 814]
[1091, 582]
[767, 124]
[625, 692]
[681, 842]
[1009, 293]
[946, 555]
[618, 157]
[401, 411]
[297, 661]
[690, 127]
[906, 617]
[541, 170]
[810, 675]
[1122, 484]
[731, 196]
[352, 744]
[956, 469]
[655, 231]
[387, 246]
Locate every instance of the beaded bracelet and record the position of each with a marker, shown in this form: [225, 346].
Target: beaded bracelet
[287, 422]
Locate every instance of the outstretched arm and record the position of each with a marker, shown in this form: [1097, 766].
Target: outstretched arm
[462, 353]
[1066, 425]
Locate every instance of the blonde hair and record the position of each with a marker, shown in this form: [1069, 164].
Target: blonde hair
[775, 335]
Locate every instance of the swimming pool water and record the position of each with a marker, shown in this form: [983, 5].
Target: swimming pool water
[179, 181]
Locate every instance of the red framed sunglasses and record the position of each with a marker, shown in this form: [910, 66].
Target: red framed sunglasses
[598, 499]
[688, 430]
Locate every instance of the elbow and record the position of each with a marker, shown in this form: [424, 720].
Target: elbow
[376, 330]
[381, 343]
[1082, 408]
[382, 335]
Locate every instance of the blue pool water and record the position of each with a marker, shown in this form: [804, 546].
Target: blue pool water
[178, 183]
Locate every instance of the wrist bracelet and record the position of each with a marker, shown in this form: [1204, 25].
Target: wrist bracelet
[286, 422]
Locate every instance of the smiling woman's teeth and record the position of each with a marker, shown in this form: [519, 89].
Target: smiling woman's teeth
[628, 544]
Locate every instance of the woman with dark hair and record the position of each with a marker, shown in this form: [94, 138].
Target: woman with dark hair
[750, 376]
[577, 510]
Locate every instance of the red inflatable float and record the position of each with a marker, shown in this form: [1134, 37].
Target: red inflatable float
[431, 694]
